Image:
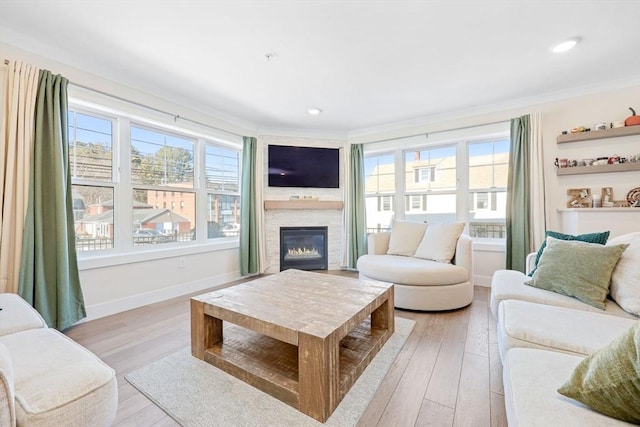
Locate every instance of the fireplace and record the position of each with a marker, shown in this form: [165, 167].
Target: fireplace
[304, 248]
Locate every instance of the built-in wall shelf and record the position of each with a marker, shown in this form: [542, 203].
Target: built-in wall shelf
[598, 134]
[616, 167]
[304, 204]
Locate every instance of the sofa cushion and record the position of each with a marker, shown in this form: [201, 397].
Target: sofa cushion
[578, 269]
[7, 409]
[410, 270]
[16, 315]
[509, 285]
[405, 237]
[439, 242]
[531, 325]
[63, 385]
[609, 380]
[531, 378]
[625, 280]
[600, 238]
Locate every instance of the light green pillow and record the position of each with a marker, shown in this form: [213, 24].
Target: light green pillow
[609, 380]
[577, 269]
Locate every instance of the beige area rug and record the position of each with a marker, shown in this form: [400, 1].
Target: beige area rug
[195, 393]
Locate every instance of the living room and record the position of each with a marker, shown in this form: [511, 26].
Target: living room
[122, 279]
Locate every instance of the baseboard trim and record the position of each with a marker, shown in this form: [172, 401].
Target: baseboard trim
[97, 311]
[482, 281]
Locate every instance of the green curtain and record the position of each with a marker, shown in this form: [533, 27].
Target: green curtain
[248, 208]
[49, 277]
[518, 196]
[357, 219]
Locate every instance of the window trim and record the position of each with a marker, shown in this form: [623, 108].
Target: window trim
[122, 119]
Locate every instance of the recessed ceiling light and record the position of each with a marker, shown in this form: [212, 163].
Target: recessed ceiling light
[314, 111]
[565, 45]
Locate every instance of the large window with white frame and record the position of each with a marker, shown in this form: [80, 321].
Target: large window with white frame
[463, 179]
[138, 184]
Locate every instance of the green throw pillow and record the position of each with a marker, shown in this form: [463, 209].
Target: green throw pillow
[577, 269]
[609, 380]
[600, 238]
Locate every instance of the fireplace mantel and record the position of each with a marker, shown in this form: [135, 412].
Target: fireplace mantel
[303, 204]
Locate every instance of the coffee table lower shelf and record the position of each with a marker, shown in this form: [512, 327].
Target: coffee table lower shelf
[272, 366]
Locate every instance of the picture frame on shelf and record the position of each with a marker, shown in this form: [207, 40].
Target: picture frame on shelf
[579, 198]
[607, 197]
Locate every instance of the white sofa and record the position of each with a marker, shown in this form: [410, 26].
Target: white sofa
[421, 284]
[47, 379]
[542, 336]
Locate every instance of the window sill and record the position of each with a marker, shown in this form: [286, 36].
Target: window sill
[112, 259]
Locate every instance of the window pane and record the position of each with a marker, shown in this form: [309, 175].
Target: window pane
[488, 164]
[432, 208]
[379, 174]
[379, 213]
[93, 217]
[221, 166]
[430, 169]
[487, 214]
[90, 147]
[163, 216]
[161, 159]
[223, 218]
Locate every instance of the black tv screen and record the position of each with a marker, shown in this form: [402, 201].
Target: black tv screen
[304, 167]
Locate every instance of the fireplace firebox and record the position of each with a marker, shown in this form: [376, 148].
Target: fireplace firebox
[304, 248]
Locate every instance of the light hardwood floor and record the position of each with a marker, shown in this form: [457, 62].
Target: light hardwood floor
[447, 374]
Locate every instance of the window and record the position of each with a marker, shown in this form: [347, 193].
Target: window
[92, 190]
[457, 178]
[430, 184]
[488, 169]
[380, 183]
[173, 186]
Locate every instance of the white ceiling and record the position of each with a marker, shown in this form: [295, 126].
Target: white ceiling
[366, 64]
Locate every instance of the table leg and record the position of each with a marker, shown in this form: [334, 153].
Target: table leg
[205, 330]
[318, 364]
[383, 316]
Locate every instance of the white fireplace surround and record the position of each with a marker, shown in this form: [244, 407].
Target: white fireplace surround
[274, 218]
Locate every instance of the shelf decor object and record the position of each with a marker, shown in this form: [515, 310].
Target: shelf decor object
[633, 197]
[598, 134]
[579, 198]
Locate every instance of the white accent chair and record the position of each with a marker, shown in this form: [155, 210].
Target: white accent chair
[421, 284]
[47, 379]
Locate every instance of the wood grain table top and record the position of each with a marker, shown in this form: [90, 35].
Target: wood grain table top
[296, 301]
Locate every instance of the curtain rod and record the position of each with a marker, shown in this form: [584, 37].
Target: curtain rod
[439, 131]
[157, 110]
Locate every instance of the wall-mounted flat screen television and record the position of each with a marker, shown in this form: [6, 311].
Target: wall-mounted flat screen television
[303, 166]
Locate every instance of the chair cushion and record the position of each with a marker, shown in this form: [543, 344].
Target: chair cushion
[439, 242]
[531, 378]
[59, 382]
[578, 269]
[7, 408]
[509, 284]
[531, 325]
[16, 315]
[625, 280]
[609, 380]
[600, 238]
[410, 271]
[405, 237]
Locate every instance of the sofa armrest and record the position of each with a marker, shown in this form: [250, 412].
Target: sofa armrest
[7, 398]
[530, 262]
[464, 254]
[378, 243]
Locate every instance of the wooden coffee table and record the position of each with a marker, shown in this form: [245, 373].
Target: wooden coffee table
[299, 336]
